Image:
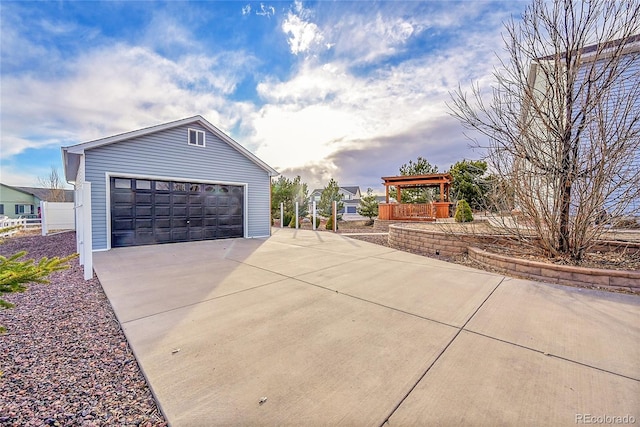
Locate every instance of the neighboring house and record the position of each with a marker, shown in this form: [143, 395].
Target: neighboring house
[350, 198]
[175, 182]
[545, 98]
[16, 202]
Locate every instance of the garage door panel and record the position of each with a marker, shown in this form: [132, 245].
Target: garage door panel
[162, 199]
[123, 211]
[163, 223]
[178, 222]
[144, 223]
[123, 224]
[196, 222]
[195, 199]
[161, 210]
[179, 199]
[148, 212]
[120, 196]
[179, 211]
[195, 211]
[196, 233]
[210, 200]
[144, 211]
[162, 235]
[123, 238]
[145, 237]
[143, 198]
[179, 234]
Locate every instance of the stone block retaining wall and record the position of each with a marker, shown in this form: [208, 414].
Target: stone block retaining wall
[563, 274]
[434, 242]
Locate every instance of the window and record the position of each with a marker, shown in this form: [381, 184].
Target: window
[24, 209]
[1, 209]
[196, 137]
[122, 183]
[143, 185]
[179, 186]
[162, 186]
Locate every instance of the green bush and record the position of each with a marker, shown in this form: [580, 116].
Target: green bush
[317, 222]
[16, 274]
[463, 212]
[292, 223]
[287, 219]
[329, 225]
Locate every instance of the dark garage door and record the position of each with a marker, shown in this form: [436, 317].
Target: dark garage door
[146, 212]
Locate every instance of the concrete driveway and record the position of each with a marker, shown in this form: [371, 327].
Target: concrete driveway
[336, 331]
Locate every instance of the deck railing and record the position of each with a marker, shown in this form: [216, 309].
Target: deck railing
[414, 211]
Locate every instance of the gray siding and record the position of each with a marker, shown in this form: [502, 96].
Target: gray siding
[623, 177]
[167, 154]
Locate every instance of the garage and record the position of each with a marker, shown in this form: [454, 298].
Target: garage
[181, 181]
[146, 212]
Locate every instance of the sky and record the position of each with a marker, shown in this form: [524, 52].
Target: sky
[349, 90]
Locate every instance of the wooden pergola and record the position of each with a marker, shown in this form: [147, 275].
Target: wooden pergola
[416, 211]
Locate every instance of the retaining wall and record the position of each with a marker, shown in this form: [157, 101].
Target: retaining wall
[425, 241]
[563, 274]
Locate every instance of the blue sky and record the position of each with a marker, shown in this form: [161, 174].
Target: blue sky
[344, 89]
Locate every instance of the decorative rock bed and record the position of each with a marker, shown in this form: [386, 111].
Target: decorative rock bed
[431, 241]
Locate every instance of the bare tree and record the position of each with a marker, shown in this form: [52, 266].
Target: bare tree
[563, 120]
[54, 184]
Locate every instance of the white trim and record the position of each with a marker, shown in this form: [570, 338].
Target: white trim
[245, 211]
[109, 175]
[198, 132]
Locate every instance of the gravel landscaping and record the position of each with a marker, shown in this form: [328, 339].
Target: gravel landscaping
[64, 359]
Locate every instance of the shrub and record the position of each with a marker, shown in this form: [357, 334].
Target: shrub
[317, 222]
[287, 219]
[463, 212]
[292, 223]
[15, 274]
[329, 225]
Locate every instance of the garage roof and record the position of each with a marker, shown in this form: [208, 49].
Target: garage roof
[71, 154]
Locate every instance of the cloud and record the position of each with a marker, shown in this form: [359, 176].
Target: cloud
[329, 108]
[115, 89]
[302, 34]
[267, 11]
[363, 89]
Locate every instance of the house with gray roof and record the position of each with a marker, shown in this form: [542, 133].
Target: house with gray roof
[24, 202]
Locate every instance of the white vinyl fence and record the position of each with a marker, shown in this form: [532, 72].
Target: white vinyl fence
[57, 216]
[18, 223]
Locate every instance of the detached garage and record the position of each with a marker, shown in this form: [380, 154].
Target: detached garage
[176, 182]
